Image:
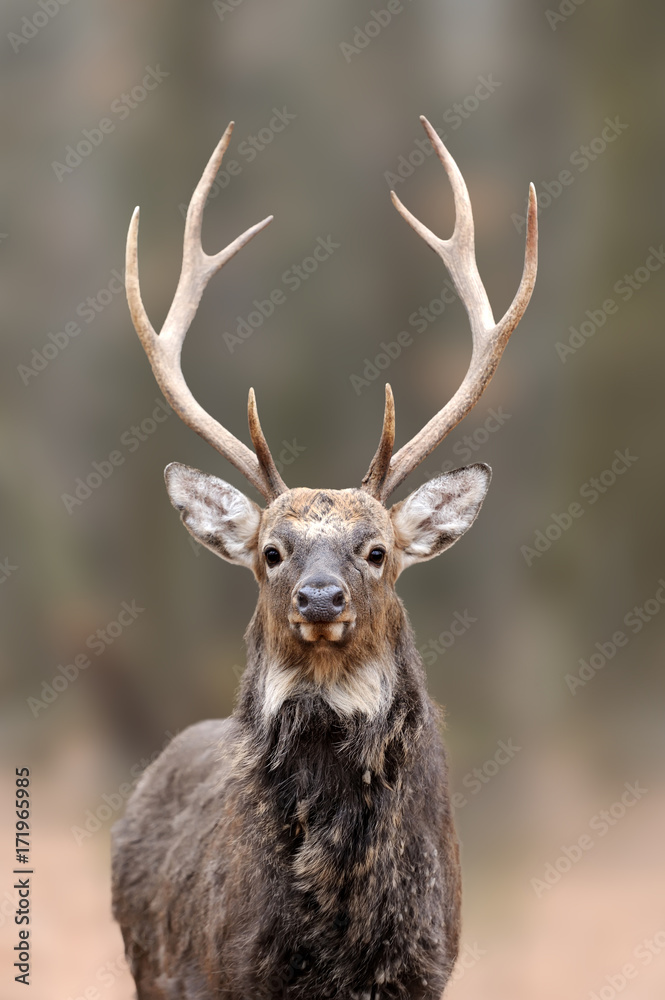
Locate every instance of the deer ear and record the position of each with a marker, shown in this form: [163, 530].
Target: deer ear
[217, 514]
[432, 518]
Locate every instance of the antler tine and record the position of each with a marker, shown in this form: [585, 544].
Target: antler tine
[197, 266]
[378, 469]
[489, 338]
[164, 351]
[457, 253]
[271, 475]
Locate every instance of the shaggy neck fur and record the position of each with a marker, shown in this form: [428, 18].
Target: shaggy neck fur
[334, 789]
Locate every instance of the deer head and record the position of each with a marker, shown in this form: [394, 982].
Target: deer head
[326, 561]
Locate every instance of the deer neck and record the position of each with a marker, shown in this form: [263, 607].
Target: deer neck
[358, 721]
[358, 678]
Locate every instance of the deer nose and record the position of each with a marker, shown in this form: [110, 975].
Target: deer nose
[320, 600]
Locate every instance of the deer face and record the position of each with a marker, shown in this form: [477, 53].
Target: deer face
[327, 560]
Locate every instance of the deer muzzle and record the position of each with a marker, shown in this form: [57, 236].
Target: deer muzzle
[321, 609]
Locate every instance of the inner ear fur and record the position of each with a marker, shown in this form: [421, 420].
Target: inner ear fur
[434, 516]
[215, 513]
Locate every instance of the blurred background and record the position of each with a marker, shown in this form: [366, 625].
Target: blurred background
[117, 631]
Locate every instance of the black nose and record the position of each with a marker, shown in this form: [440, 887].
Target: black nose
[320, 600]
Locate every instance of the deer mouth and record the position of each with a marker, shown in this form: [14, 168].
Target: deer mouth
[323, 632]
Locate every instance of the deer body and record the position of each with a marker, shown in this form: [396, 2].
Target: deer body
[304, 848]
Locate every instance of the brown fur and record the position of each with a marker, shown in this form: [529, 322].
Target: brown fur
[304, 848]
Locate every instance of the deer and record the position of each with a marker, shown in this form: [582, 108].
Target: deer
[305, 846]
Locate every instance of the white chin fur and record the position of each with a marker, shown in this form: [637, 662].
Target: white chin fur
[367, 688]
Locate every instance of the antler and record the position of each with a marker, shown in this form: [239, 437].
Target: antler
[489, 338]
[164, 350]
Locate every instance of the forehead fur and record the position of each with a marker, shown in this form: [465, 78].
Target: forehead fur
[327, 511]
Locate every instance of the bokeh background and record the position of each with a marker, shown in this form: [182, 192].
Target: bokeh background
[534, 87]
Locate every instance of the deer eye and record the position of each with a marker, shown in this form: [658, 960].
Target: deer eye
[272, 556]
[376, 556]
